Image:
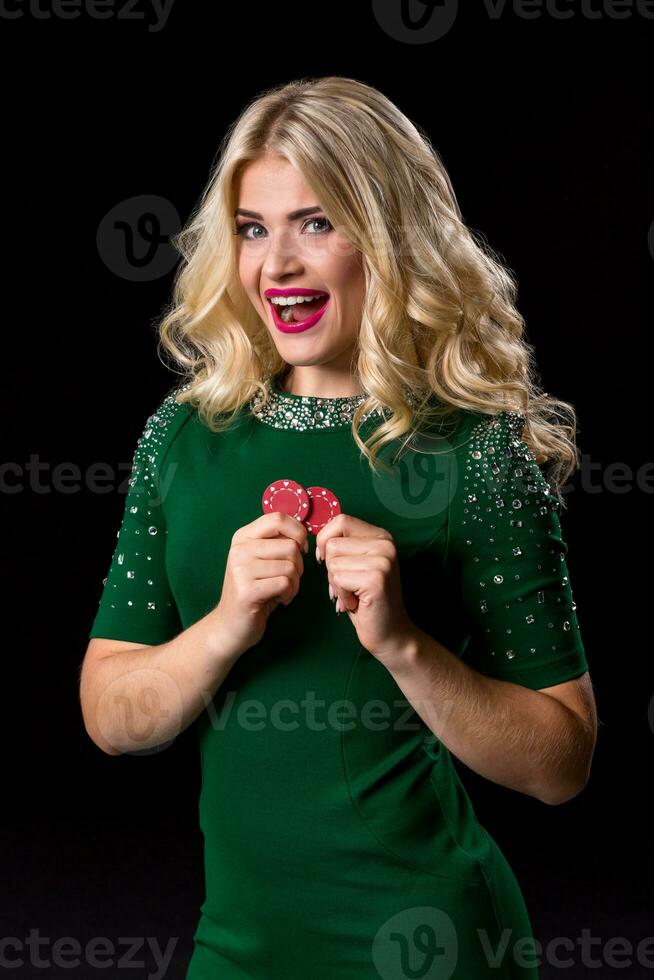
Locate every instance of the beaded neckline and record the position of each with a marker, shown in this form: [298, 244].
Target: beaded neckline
[307, 412]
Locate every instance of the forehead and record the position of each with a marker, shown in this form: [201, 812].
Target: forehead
[272, 182]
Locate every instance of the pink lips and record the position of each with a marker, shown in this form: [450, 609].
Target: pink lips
[296, 291]
[302, 324]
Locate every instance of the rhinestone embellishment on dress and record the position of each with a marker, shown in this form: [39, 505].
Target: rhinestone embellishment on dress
[141, 523]
[502, 480]
[302, 412]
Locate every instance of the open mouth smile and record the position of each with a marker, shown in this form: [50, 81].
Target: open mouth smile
[284, 314]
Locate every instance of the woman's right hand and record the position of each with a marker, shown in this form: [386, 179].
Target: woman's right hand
[263, 568]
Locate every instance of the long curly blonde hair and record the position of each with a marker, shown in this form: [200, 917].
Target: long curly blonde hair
[439, 312]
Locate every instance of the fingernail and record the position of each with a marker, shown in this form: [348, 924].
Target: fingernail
[318, 558]
[338, 605]
[331, 592]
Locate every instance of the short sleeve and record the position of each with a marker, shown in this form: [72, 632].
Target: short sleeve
[136, 603]
[507, 553]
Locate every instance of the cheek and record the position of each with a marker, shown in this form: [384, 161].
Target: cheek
[248, 275]
[351, 287]
[346, 272]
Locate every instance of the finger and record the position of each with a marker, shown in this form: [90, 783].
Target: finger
[344, 600]
[272, 568]
[344, 525]
[274, 548]
[348, 574]
[356, 549]
[375, 541]
[362, 583]
[276, 588]
[274, 524]
[358, 546]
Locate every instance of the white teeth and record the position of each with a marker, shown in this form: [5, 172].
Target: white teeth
[292, 300]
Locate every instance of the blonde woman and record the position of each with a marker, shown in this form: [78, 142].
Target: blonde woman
[341, 560]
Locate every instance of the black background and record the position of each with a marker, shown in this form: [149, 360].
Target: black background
[544, 125]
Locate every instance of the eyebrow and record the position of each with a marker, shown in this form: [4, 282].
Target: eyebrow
[293, 216]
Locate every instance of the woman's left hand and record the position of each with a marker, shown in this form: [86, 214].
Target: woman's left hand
[362, 568]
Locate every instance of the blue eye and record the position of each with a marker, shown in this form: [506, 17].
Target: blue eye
[254, 224]
[250, 224]
[325, 220]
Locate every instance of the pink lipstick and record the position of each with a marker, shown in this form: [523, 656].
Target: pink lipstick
[300, 325]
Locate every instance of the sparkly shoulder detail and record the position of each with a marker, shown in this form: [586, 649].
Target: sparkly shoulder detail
[493, 476]
[157, 436]
[137, 603]
[507, 552]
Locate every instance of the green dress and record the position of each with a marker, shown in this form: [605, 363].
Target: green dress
[340, 843]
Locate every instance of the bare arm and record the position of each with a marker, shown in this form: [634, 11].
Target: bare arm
[141, 697]
[527, 740]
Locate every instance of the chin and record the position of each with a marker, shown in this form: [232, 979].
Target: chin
[303, 361]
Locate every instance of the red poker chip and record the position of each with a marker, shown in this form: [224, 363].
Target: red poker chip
[323, 506]
[286, 497]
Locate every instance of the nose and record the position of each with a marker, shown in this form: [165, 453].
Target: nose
[282, 255]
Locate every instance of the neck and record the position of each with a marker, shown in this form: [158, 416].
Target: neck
[320, 383]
